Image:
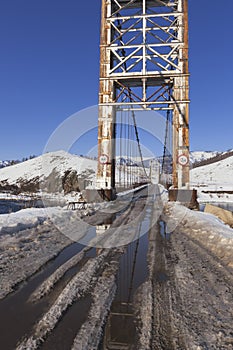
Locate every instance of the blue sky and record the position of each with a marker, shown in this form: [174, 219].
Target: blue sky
[49, 68]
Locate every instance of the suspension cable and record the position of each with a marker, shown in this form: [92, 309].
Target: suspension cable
[138, 142]
[166, 140]
[133, 114]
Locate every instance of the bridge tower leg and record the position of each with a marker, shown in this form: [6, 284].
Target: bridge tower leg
[106, 120]
[181, 108]
[143, 66]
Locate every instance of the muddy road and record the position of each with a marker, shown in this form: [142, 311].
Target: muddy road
[192, 294]
[160, 291]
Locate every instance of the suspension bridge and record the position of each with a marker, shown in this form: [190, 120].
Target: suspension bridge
[111, 276]
[143, 67]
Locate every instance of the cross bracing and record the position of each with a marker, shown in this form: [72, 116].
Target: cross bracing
[143, 46]
[144, 65]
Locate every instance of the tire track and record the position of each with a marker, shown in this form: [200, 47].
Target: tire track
[206, 290]
[83, 281]
[50, 282]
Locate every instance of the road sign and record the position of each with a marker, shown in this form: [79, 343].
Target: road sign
[183, 159]
[103, 159]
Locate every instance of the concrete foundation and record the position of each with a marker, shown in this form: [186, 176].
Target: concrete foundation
[186, 197]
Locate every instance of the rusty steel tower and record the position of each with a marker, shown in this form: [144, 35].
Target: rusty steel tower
[143, 65]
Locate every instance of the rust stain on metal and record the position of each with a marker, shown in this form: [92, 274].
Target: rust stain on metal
[142, 75]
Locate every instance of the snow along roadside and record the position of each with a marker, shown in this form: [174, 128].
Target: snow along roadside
[27, 218]
[207, 229]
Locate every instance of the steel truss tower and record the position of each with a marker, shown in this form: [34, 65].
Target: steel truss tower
[144, 65]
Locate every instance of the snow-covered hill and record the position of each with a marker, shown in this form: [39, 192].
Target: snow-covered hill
[48, 172]
[50, 166]
[44, 165]
[214, 182]
[217, 173]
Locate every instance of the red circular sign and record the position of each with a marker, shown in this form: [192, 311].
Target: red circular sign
[183, 159]
[103, 159]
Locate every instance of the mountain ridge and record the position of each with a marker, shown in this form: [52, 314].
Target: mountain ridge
[52, 167]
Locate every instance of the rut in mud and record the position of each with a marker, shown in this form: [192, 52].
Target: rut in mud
[191, 301]
[161, 291]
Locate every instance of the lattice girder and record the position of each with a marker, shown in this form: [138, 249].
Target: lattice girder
[144, 65]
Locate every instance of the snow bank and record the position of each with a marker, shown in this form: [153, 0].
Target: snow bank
[69, 222]
[215, 197]
[22, 220]
[27, 218]
[20, 197]
[205, 228]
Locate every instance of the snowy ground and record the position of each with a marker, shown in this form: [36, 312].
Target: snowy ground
[24, 252]
[186, 302]
[44, 165]
[26, 219]
[216, 179]
[206, 228]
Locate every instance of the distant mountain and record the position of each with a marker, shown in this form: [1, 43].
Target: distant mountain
[198, 156]
[126, 161]
[51, 171]
[205, 158]
[4, 163]
[195, 157]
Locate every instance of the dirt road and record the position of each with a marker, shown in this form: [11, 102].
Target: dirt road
[192, 295]
[184, 301]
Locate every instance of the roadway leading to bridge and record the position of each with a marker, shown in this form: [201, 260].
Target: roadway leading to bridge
[181, 293]
[191, 303]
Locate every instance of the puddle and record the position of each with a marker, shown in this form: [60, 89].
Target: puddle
[120, 330]
[133, 270]
[17, 315]
[163, 232]
[63, 335]
[161, 277]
